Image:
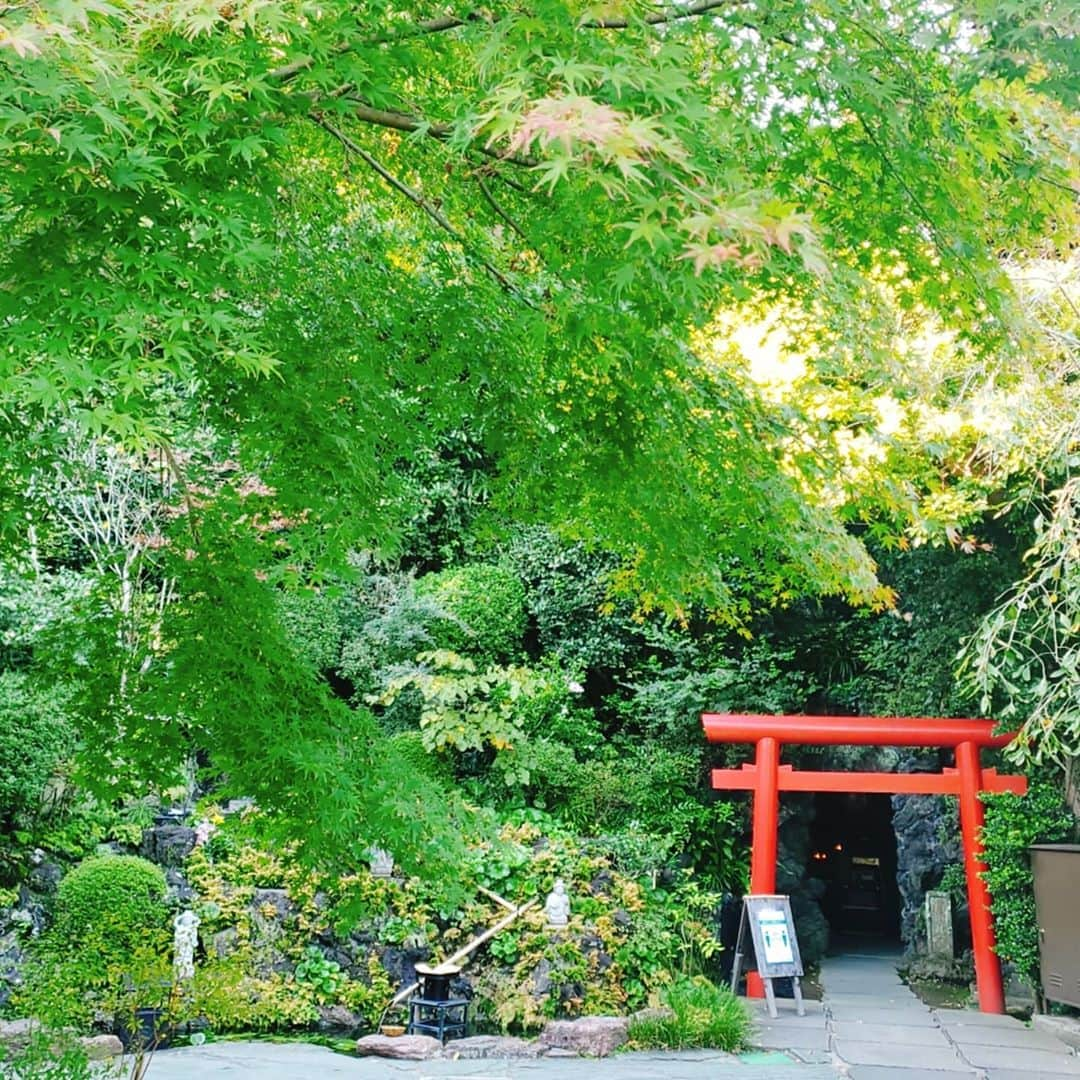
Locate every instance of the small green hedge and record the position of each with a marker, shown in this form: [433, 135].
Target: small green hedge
[114, 897]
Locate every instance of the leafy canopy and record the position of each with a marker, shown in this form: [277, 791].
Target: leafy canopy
[286, 250]
[331, 232]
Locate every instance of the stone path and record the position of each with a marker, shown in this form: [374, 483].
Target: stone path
[879, 1030]
[298, 1061]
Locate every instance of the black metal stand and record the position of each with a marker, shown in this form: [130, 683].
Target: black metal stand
[444, 1019]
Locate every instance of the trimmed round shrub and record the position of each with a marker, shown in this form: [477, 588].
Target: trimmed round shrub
[485, 611]
[116, 898]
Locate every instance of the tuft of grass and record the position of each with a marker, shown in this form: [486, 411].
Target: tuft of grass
[701, 1015]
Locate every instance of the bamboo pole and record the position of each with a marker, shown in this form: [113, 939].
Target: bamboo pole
[466, 950]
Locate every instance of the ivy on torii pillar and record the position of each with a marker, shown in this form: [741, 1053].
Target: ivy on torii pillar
[766, 778]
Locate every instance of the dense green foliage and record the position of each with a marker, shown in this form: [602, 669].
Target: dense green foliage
[1012, 825]
[36, 736]
[314, 299]
[47, 1055]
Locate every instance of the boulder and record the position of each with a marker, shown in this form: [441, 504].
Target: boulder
[12, 958]
[590, 1036]
[492, 1046]
[339, 1018]
[179, 891]
[15, 1034]
[225, 942]
[399, 1047]
[45, 877]
[263, 900]
[167, 844]
[101, 1047]
[541, 978]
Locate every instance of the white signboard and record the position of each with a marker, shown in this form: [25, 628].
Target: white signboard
[772, 930]
[775, 938]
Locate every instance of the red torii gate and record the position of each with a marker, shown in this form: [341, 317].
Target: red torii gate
[766, 778]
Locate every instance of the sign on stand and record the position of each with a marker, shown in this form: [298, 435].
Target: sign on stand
[776, 948]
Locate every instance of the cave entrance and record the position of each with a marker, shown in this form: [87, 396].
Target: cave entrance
[853, 853]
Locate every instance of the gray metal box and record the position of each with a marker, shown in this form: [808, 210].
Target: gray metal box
[1057, 901]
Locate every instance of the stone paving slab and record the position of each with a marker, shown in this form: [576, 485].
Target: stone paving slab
[900, 999]
[1065, 1028]
[971, 1018]
[789, 1019]
[785, 1038]
[891, 1033]
[1026, 1074]
[811, 1057]
[892, 1072]
[877, 1015]
[1015, 1057]
[302, 1061]
[791, 1023]
[941, 1058]
[786, 1007]
[1029, 1038]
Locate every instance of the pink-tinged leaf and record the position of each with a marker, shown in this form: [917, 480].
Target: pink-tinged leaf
[710, 255]
[22, 46]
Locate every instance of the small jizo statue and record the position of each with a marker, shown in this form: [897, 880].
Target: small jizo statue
[557, 905]
[185, 940]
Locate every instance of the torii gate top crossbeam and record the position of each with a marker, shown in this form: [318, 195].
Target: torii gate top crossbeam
[852, 730]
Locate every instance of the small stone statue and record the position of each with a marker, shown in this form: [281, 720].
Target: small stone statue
[185, 939]
[557, 905]
[382, 862]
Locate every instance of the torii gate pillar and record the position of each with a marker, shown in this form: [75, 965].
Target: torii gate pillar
[766, 778]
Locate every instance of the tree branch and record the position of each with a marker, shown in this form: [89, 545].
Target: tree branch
[405, 122]
[486, 192]
[451, 22]
[655, 18]
[419, 200]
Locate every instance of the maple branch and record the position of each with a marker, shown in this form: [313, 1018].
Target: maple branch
[421, 201]
[404, 122]
[486, 192]
[655, 18]
[451, 22]
[939, 239]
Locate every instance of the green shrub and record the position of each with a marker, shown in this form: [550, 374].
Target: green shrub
[1013, 824]
[116, 898]
[485, 608]
[70, 982]
[408, 747]
[47, 1055]
[35, 737]
[313, 624]
[701, 1014]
